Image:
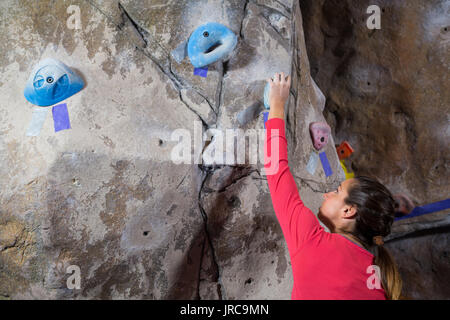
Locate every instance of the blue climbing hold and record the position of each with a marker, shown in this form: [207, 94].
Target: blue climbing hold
[50, 82]
[209, 43]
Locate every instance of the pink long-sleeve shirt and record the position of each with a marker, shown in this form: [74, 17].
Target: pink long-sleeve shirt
[324, 265]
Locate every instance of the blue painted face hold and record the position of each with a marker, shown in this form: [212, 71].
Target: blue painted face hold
[50, 82]
[209, 43]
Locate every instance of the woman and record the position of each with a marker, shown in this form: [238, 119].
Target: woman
[338, 264]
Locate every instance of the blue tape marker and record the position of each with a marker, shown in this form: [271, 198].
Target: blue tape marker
[325, 164]
[61, 117]
[266, 116]
[428, 208]
[202, 72]
[180, 52]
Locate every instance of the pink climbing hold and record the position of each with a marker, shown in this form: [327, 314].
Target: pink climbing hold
[403, 205]
[320, 131]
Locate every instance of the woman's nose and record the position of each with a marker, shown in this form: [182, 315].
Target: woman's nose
[326, 195]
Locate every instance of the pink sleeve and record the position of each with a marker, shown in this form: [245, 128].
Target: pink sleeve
[297, 222]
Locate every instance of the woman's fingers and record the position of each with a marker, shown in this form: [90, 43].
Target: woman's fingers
[280, 78]
[288, 79]
[276, 77]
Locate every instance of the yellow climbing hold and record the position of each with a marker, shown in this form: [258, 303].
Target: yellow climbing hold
[348, 175]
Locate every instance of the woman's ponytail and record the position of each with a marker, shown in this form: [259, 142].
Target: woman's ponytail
[374, 218]
[390, 277]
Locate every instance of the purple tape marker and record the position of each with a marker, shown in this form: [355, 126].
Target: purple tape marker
[266, 116]
[202, 72]
[325, 164]
[61, 117]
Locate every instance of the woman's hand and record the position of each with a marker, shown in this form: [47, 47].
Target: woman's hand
[279, 93]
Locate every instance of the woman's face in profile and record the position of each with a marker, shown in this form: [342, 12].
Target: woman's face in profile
[333, 205]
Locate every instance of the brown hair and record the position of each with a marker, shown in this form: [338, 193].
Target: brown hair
[375, 211]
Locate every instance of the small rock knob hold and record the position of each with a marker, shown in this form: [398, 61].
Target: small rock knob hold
[344, 150]
[403, 205]
[320, 131]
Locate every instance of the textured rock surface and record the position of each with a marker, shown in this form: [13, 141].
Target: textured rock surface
[105, 195]
[387, 90]
[388, 94]
[423, 260]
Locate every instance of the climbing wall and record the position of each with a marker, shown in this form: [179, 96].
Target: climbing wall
[105, 195]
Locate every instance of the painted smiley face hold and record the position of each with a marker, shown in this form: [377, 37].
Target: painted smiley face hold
[209, 43]
[320, 132]
[50, 82]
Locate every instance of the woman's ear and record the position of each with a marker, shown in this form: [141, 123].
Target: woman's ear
[349, 212]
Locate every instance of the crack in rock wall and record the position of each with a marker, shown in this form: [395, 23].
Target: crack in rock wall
[106, 196]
